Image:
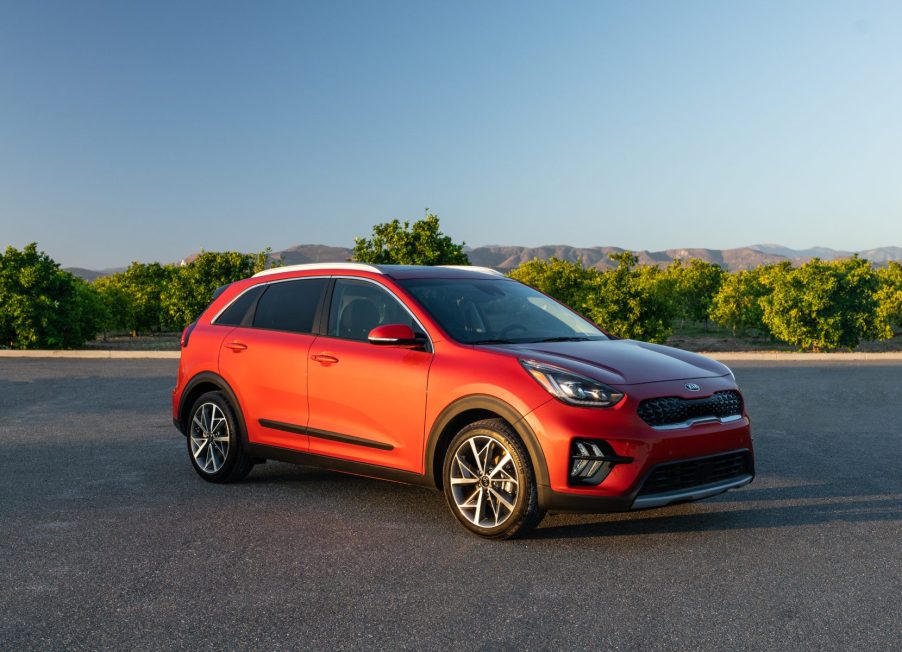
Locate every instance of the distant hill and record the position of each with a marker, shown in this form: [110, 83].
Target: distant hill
[505, 258]
[880, 255]
[300, 254]
[91, 274]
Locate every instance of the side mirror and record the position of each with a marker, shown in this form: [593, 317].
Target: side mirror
[395, 335]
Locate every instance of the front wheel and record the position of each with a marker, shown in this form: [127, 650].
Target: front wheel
[489, 481]
[213, 443]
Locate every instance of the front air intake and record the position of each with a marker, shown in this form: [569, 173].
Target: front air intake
[591, 460]
[688, 474]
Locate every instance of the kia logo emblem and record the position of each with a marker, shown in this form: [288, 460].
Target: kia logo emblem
[692, 387]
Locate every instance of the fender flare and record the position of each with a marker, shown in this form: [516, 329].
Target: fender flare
[208, 377]
[486, 403]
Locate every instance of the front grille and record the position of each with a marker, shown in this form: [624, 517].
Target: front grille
[672, 410]
[675, 476]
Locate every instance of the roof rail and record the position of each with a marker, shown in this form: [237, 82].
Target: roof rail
[473, 268]
[363, 267]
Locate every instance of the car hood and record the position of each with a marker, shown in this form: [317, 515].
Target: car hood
[622, 362]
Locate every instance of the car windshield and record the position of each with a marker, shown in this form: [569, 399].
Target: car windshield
[498, 311]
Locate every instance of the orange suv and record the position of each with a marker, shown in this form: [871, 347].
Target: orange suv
[460, 379]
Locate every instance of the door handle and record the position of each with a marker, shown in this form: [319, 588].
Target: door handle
[237, 347]
[324, 359]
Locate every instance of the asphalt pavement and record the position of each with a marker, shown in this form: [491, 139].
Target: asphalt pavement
[109, 540]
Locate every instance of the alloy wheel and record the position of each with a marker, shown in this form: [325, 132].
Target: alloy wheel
[209, 437]
[484, 481]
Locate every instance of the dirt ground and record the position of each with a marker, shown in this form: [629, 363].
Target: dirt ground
[161, 342]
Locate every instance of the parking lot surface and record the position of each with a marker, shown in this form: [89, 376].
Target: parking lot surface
[108, 539]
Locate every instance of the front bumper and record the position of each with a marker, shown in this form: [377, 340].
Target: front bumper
[678, 454]
[694, 493]
[585, 502]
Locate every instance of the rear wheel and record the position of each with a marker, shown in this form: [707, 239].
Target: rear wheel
[213, 442]
[489, 481]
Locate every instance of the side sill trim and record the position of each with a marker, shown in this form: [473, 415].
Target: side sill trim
[324, 434]
[695, 493]
[340, 465]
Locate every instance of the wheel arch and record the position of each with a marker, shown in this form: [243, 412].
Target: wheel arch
[467, 410]
[204, 382]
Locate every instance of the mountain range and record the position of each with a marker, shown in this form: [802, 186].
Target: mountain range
[505, 258]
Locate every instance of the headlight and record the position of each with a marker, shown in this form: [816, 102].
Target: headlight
[570, 387]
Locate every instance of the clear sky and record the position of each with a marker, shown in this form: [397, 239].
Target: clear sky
[149, 130]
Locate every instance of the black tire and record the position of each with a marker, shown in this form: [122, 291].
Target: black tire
[214, 440]
[490, 495]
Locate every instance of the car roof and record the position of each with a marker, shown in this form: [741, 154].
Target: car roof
[393, 271]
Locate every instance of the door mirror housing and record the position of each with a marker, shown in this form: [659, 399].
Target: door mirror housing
[395, 335]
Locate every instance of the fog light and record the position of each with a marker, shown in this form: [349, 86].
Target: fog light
[591, 460]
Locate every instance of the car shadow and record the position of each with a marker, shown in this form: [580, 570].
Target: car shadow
[746, 509]
[732, 515]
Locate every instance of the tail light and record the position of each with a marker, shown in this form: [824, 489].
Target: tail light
[187, 334]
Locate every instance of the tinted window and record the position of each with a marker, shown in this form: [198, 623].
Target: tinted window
[234, 314]
[358, 307]
[290, 305]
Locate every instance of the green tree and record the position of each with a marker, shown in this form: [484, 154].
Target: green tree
[396, 243]
[737, 304]
[694, 285]
[134, 297]
[191, 287]
[90, 314]
[569, 283]
[42, 306]
[631, 301]
[117, 305]
[889, 297]
[628, 301]
[822, 306]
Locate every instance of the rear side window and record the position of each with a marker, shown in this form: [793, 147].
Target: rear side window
[234, 314]
[290, 305]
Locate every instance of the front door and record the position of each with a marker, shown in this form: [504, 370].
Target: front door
[367, 402]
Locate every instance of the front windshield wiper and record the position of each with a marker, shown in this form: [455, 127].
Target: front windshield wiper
[571, 338]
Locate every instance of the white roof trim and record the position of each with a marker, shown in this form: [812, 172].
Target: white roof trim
[319, 266]
[473, 268]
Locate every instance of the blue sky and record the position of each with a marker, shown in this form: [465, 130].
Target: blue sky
[147, 131]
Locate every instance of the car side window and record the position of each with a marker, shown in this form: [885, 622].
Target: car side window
[290, 305]
[358, 307]
[235, 313]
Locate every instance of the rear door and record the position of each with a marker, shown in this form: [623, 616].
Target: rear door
[264, 359]
[367, 402]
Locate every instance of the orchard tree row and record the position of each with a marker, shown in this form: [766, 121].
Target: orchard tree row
[818, 306]
[43, 306]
